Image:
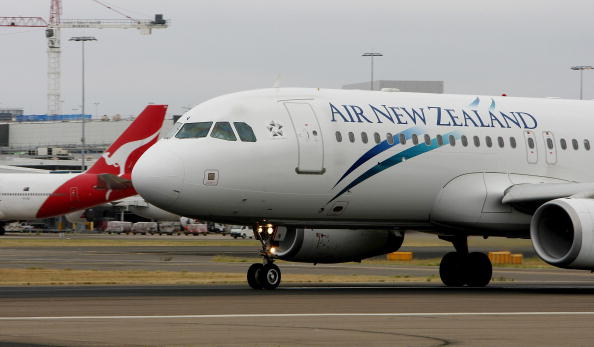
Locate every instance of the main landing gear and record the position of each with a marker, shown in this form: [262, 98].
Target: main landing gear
[462, 268]
[265, 275]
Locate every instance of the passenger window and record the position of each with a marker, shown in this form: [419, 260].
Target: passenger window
[351, 137]
[402, 139]
[452, 140]
[440, 140]
[587, 145]
[377, 138]
[338, 136]
[223, 131]
[364, 138]
[550, 143]
[531, 143]
[390, 138]
[174, 129]
[563, 144]
[195, 130]
[245, 132]
[477, 141]
[500, 142]
[488, 141]
[575, 145]
[512, 142]
[415, 139]
[464, 141]
[427, 140]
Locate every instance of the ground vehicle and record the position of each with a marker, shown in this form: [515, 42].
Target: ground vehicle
[241, 231]
[144, 228]
[196, 229]
[169, 228]
[118, 227]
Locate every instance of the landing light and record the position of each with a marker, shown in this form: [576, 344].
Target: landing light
[259, 230]
[273, 250]
[269, 230]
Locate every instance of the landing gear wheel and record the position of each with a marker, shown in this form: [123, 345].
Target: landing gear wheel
[253, 275]
[270, 276]
[451, 269]
[478, 270]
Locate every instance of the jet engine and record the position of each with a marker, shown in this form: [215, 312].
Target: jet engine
[334, 245]
[562, 232]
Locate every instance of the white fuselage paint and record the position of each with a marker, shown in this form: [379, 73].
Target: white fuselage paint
[274, 179]
[22, 194]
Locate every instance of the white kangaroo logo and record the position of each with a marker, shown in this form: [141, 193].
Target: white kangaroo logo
[120, 156]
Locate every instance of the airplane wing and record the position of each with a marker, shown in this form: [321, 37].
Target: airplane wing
[111, 181]
[527, 197]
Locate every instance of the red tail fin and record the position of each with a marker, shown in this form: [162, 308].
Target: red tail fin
[121, 156]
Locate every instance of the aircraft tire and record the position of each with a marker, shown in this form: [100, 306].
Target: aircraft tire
[452, 269]
[253, 275]
[478, 270]
[270, 276]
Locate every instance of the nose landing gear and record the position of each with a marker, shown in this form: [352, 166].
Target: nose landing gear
[265, 275]
[463, 268]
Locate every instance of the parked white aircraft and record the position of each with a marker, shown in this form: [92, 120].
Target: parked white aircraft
[140, 207]
[26, 196]
[337, 175]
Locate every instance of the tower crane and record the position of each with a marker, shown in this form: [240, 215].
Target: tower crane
[52, 34]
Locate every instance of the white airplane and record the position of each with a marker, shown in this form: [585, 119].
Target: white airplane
[140, 207]
[26, 196]
[338, 175]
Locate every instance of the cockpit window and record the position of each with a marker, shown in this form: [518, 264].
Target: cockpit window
[223, 131]
[245, 132]
[173, 130]
[193, 130]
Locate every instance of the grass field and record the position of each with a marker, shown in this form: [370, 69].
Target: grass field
[138, 242]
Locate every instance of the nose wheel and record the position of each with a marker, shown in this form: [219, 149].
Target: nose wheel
[264, 275]
[462, 268]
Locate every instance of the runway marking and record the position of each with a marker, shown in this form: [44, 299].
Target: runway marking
[299, 315]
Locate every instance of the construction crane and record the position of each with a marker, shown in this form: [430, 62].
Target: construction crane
[52, 34]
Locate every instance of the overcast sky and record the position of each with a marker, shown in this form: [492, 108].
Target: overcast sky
[522, 48]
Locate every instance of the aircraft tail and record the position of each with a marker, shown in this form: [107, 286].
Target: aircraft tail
[119, 159]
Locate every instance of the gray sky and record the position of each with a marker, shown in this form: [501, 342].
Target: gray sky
[522, 48]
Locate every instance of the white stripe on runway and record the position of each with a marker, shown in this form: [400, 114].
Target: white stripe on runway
[298, 315]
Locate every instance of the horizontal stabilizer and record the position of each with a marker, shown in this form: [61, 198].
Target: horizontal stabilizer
[111, 181]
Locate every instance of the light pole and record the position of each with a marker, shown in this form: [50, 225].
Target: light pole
[581, 69]
[372, 55]
[82, 40]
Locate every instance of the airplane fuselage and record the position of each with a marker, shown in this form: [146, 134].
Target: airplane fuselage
[369, 159]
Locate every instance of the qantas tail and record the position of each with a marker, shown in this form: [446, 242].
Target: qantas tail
[121, 156]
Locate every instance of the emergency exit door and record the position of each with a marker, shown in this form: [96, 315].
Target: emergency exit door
[309, 138]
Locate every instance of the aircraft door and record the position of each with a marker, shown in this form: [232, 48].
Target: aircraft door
[531, 148]
[309, 138]
[550, 148]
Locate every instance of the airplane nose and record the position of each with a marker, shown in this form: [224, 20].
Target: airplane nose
[158, 176]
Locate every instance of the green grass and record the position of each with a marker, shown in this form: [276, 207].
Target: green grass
[80, 242]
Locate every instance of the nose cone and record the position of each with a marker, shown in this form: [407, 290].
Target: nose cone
[158, 175]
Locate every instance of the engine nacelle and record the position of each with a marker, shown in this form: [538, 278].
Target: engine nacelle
[562, 232]
[334, 245]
